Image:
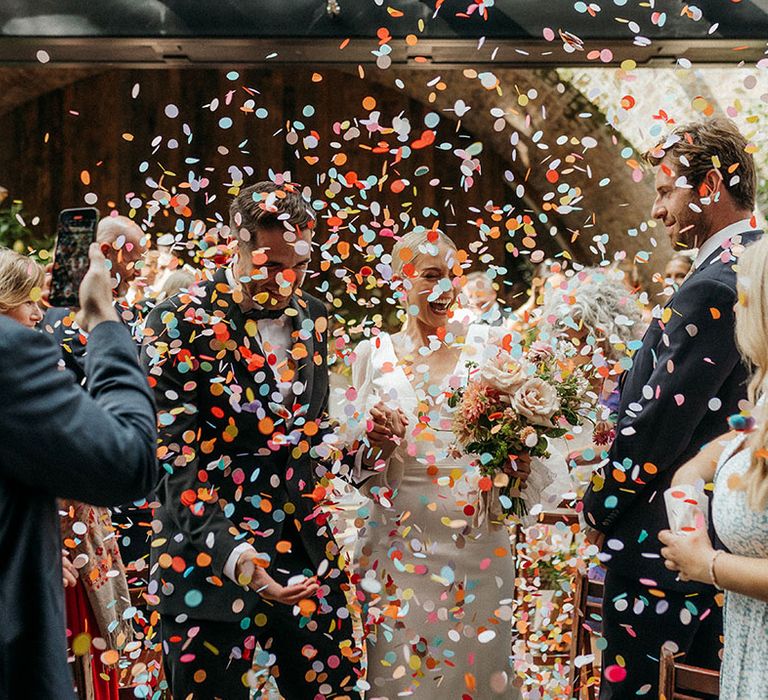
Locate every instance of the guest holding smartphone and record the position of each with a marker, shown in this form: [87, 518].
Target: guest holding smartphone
[96, 446]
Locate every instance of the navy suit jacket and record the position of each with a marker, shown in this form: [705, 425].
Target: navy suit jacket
[59, 441]
[685, 381]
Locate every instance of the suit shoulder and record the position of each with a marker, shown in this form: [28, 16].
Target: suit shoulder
[18, 344]
[12, 335]
[178, 304]
[314, 305]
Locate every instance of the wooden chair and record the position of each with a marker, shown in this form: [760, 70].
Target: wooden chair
[588, 610]
[587, 603]
[679, 681]
[82, 674]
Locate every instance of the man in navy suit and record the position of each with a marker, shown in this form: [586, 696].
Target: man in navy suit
[685, 381]
[96, 446]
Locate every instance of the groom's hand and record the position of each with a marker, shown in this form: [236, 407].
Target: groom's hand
[250, 574]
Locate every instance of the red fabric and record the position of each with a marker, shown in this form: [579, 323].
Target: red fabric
[80, 618]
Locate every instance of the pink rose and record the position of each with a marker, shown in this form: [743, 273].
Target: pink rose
[537, 401]
[503, 373]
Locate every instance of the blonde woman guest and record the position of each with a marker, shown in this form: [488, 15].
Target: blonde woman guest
[737, 463]
[21, 284]
[437, 588]
[97, 595]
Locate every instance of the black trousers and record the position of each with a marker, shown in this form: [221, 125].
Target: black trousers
[637, 621]
[311, 658]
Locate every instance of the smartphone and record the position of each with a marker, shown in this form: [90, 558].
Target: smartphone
[76, 231]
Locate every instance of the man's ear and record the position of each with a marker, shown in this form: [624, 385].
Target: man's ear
[711, 183]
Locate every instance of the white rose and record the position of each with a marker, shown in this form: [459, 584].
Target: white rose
[503, 374]
[537, 401]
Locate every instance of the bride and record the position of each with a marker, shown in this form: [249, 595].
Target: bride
[437, 590]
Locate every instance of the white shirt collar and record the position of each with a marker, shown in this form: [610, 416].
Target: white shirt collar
[716, 241]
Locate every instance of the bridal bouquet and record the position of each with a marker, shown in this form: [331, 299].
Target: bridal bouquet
[511, 406]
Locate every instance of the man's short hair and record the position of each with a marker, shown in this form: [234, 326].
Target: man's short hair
[480, 280]
[717, 143]
[266, 205]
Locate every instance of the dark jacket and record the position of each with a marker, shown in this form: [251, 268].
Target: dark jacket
[59, 441]
[685, 381]
[227, 479]
[58, 323]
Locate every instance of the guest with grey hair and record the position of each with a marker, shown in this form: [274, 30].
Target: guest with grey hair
[595, 313]
[602, 320]
[479, 301]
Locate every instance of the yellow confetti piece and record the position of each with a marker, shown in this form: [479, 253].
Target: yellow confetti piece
[81, 644]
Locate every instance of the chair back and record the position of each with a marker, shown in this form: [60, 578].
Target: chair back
[678, 681]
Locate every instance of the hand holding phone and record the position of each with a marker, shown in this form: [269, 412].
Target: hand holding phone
[76, 232]
[96, 303]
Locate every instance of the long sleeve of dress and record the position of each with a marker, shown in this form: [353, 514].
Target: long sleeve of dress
[354, 412]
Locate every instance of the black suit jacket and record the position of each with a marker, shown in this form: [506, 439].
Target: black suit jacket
[57, 322]
[227, 479]
[685, 381]
[59, 441]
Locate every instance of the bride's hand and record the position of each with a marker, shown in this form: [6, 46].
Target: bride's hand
[250, 574]
[386, 429]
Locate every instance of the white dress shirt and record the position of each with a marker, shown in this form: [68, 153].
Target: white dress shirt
[274, 336]
[716, 241]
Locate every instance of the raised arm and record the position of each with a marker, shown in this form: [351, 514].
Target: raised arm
[97, 447]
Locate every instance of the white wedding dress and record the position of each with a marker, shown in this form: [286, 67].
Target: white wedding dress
[438, 589]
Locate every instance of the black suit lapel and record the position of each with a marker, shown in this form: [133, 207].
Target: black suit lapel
[243, 336]
[653, 333]
[303, 352]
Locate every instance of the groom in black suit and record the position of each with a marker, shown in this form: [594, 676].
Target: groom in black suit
[241, 552]
[685, 381]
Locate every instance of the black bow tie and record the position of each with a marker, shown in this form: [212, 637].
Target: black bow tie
[260, 314]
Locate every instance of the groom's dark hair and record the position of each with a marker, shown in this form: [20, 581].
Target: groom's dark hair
[266, 205]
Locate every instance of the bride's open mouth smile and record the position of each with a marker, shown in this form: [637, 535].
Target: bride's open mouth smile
[440, 306]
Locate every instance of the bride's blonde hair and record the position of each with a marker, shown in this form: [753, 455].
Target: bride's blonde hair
[752, 340]
[415, 243]
[19, 275]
